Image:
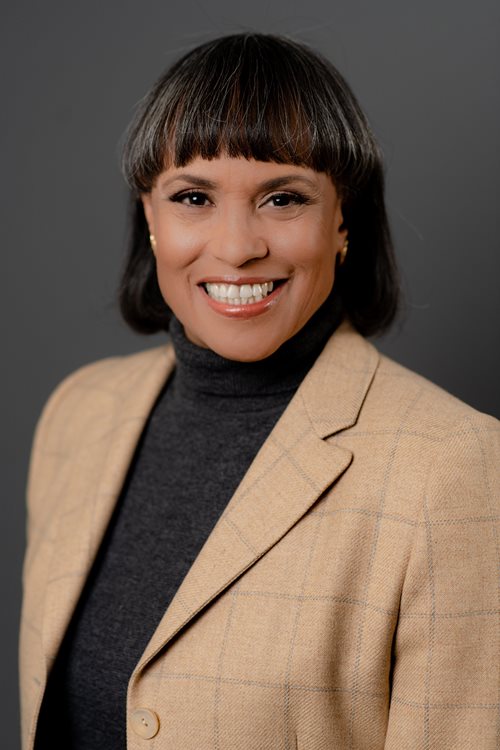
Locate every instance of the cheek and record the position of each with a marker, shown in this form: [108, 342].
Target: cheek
[309, 248]
[176, 249]
[313, 254]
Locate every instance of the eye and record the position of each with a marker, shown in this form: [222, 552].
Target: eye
[191, 198]
[283, 200]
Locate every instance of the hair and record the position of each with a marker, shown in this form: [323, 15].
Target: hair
[271, 99]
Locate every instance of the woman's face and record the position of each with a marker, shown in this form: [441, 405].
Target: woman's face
[245, 250]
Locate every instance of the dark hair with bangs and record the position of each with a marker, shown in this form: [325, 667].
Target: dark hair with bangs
[271, 99]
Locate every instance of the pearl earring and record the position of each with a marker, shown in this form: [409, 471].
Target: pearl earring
[343, 252]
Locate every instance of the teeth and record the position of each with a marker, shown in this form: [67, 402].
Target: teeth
[246, 291]
[244, 294]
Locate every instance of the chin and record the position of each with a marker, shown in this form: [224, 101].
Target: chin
[244, 354]
[244, 349]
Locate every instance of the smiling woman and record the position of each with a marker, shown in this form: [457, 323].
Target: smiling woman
[270, 102]
[262, 534]
[245, 263]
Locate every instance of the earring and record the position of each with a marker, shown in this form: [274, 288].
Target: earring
[152, 241]
[343, 252]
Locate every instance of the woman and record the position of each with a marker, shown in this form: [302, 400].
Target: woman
[265, 534]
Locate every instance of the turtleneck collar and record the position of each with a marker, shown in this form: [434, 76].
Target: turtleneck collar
[201, 374]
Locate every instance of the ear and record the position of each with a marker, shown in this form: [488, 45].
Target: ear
[148, 211]
[342, 230]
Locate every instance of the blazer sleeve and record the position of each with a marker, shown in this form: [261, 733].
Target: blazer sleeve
[446, 656]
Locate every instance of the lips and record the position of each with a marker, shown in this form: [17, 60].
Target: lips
[242, 299]
[239, 294]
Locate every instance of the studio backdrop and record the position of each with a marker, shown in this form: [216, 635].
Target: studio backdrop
[427, 74]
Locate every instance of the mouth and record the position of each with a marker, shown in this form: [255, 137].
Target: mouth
[241, 299]
[238, 295]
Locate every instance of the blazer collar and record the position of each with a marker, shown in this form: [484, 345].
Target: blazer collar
[293, 468]
[335, 388]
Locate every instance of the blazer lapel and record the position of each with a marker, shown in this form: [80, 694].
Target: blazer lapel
[294, 467]
[95, 479]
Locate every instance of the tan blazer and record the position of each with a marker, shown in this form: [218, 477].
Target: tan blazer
[348, 597]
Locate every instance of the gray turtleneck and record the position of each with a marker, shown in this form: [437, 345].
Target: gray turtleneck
[206, 427]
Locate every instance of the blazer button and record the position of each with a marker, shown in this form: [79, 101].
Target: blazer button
[145, 723]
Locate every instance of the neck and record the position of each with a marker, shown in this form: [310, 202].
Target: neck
[203, 374]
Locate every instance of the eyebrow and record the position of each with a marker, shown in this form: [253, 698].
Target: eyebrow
[278, 182]
[192, 179]
[272, 184]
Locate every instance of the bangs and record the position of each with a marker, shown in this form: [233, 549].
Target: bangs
[253, 96]
[250, 107]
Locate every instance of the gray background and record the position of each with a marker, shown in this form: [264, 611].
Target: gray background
[427, 74]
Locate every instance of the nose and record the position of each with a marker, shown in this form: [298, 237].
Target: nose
[237, 240]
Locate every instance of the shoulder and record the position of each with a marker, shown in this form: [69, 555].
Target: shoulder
[110, 373]
[113, 376]
[353, 386]
[95, 395]
[353, 391]
[445, 447]
[427, 407]
[401, 427]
